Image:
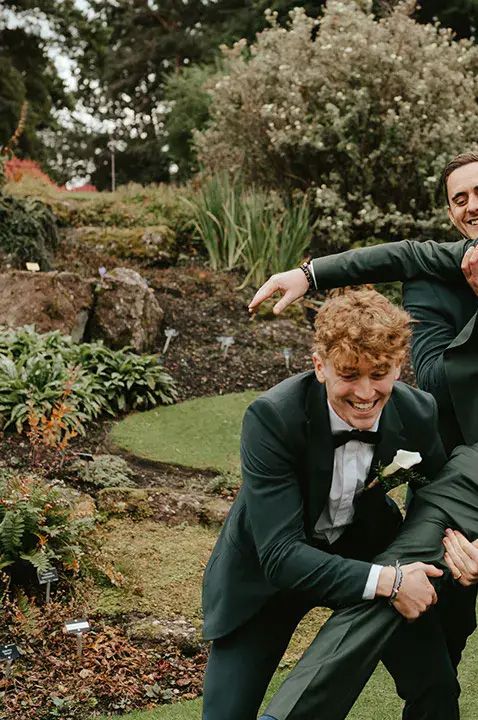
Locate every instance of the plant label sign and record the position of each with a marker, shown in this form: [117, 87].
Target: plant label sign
[9, 653]
[86, 456]
[47, 576]
[77, 626]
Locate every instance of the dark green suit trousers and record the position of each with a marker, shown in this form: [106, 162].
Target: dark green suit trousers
[331, 674]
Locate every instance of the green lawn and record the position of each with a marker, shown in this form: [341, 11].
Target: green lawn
[377, 702]
[200, 433]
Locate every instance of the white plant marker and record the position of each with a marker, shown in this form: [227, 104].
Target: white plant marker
[170, 333]
[287, 353]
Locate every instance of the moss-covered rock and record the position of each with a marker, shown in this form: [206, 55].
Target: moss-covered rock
[153, 243]
[125, 501]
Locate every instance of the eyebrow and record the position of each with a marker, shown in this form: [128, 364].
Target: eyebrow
[462, 193]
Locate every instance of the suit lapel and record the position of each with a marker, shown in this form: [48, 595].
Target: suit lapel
[392, 439]
[320, 454]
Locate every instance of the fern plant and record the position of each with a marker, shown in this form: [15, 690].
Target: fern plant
[36, 524]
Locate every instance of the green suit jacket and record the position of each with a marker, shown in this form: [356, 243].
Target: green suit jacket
[445, 340]
[287, 453]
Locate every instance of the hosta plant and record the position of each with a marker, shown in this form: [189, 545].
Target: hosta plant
[36, 368]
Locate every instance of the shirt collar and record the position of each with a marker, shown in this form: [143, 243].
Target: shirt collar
[337, 424]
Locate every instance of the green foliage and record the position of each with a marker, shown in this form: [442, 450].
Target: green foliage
[216, 211]
[35, 33]
[226, 483]
[189, 110]
[27, 231]
[131, 206]
[36, 524]
[105, 471]
[363, 114]
[35, 368]
[249, 229]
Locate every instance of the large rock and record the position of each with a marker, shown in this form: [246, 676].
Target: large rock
[49, 300]
[155, 244]
[126, 312]
[178, 632]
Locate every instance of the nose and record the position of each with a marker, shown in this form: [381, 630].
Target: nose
[473, 203]
[363, 389]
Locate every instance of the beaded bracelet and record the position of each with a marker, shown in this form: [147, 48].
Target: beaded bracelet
[396, 583]
[306, 270]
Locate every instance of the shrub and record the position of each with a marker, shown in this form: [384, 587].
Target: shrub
[17, 168]
[27, 231]
[104, 471]
[36, 524]
[360, 112]
[188, 101]
[249, 228]
[35, 369]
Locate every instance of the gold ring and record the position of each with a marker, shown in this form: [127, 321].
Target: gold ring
[457, 577]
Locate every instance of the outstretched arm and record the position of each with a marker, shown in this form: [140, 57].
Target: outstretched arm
[405, 260]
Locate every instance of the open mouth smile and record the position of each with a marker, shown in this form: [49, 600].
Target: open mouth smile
[362, 406]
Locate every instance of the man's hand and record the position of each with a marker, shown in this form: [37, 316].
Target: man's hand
[469, 266]
[291, 284]
[416, 592]
[461, 556]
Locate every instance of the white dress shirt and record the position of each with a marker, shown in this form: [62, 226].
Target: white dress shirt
[352, 463]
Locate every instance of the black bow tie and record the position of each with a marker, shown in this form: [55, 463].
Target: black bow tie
[366, 436]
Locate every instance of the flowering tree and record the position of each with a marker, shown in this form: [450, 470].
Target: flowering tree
[361, 113]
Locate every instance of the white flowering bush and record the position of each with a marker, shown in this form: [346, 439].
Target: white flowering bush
[362, 113]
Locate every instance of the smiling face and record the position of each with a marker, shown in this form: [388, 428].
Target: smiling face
[357, 394]
[462, 190]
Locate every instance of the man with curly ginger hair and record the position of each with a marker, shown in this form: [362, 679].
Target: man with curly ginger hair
[305, 525]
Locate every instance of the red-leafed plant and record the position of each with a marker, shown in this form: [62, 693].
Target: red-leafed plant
[16, 169]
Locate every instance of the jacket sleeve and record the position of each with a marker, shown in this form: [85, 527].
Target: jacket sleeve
[433, 453]
[404, 260]
[432, 335]
[276, 512]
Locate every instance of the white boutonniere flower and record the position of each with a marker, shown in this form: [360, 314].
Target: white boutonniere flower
[399, 471]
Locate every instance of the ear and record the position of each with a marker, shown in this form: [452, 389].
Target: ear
[398, 370]
[319, 367]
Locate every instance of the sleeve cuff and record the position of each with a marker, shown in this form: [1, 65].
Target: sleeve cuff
[312, 272]
[372, 582]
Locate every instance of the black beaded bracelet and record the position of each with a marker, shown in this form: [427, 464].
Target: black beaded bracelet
[305, 267]
[396, 583]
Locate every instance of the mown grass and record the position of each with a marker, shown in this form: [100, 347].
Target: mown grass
[201, 433]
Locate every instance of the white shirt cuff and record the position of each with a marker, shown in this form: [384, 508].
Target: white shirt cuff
[372, 582]
[311, 265]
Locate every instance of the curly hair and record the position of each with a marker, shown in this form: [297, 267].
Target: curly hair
[361, 324]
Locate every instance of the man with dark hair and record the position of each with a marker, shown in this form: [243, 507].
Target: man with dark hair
[441, 292]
